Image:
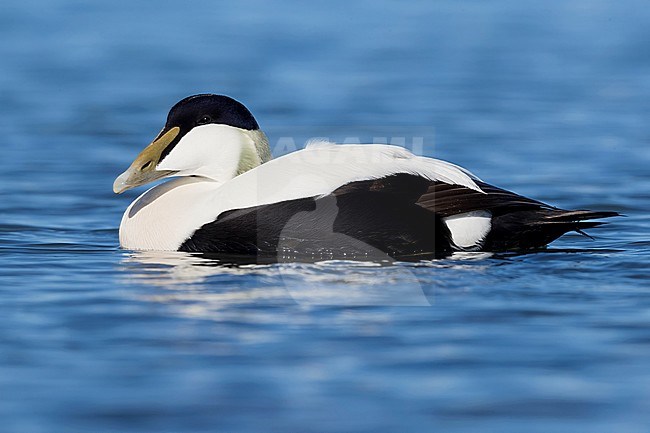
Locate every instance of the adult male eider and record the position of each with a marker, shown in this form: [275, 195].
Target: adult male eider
[325, 201]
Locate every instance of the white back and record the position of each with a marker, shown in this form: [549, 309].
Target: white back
[320, 169]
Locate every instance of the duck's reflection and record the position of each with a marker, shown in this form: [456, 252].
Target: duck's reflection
[230, 280]
[171, 268]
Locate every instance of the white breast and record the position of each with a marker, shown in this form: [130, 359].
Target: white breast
[164, 216]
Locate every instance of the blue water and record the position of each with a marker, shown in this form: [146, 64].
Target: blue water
[549, 99]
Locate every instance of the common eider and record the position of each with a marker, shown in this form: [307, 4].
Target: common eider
[325, 201]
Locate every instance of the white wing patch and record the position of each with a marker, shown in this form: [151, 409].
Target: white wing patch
[468, 230]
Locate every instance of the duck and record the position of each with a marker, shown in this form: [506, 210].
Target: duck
[223, 193]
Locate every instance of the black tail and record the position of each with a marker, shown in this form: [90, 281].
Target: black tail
[531, 229]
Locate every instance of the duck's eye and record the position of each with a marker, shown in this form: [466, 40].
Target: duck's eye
[204, 120]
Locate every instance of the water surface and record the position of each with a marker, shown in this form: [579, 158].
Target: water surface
[550, 100]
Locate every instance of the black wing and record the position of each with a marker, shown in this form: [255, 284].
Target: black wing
[399, 216]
